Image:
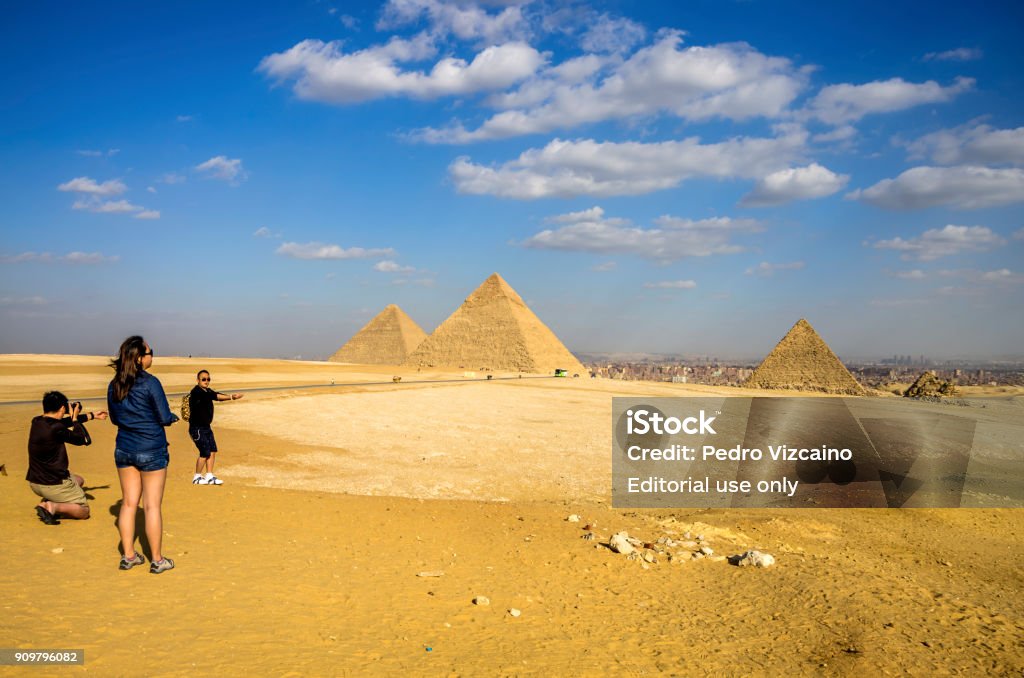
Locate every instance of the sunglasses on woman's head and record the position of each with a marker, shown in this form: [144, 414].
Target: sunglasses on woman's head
[149, 352]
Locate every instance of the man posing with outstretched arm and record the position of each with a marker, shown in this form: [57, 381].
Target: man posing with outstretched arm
[48, 474]
[200, 406]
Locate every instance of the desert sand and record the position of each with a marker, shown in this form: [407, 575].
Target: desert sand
[336, 497]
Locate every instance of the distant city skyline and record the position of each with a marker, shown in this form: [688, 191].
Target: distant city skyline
[650, 177]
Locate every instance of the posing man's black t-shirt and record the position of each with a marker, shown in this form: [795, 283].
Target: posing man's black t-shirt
[200, 406]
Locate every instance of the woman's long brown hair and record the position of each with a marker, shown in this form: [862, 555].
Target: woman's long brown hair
[127, 365]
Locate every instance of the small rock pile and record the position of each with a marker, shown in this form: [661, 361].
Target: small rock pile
[928, 385]
[688, 548]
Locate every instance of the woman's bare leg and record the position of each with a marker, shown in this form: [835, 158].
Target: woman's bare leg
[152, 497]
[131, 491]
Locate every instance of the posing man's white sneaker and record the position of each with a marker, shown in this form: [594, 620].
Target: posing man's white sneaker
[212, 480]
[199, 480]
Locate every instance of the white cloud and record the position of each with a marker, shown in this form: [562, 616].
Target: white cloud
[172, 178]
[843, 134]
[93, 204]
[69, 258]
[731, 81]
[767, 270]
[915, 274]
[91, 187]
[587, 167]
[150, 189]
[323, 72]
[607, 34]
[262, 232]
[796, 183]
[99, 154]
[1018, 234]
[185, 118]
[672, 285]
[148, 214]
[388, 266]
[88, 258]
[838, 104]
[935, 243]
[593, 214]
[464, 20]
[674, 239]
[604, 267]
[316, 250]
[1003, 275]
[965, 187]
[972, 144]
[959, 54]
[224, 168]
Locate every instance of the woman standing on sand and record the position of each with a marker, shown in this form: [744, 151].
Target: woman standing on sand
[138, 407]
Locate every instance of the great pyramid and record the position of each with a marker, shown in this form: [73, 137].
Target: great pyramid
[495, 330]
[802, 361]
[388, 339]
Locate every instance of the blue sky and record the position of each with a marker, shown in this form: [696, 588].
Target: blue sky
[240, 180]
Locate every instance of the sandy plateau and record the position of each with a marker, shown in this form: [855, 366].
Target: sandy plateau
[342, 486]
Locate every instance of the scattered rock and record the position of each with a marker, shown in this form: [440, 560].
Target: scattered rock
[514, 612]
[650, 557]
[481, 600]
[752, 559]
[589, 536]
[706, 550]
[57, 550]
[620, 543]
[573, 518]
[434, 573]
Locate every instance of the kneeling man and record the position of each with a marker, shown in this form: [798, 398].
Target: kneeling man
[48, 474]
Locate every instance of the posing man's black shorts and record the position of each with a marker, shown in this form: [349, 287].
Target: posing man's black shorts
[203, 438]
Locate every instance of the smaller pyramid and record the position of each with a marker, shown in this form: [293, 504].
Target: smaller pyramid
[928, 385]
[802, 361]
[494, 329]
[388, 339]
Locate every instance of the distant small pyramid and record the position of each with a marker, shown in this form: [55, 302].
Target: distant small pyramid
[802, 361]
[388, 339]
[495, 330]
[928, 385]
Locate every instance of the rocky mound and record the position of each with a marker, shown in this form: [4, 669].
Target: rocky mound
[928, 385]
